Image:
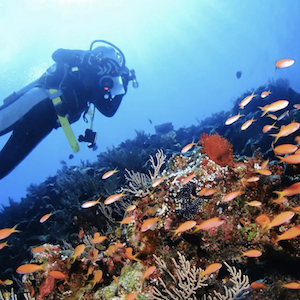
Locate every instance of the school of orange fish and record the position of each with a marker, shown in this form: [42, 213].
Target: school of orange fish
[286, 153]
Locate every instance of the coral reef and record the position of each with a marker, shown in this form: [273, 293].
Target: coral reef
[177, 214]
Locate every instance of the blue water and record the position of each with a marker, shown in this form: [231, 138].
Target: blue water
[185, 53]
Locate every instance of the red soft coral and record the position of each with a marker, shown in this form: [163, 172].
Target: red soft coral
[217, 148]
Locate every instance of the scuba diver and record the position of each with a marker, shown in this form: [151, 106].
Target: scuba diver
[77, 82]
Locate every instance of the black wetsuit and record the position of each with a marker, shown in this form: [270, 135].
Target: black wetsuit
[79, 88]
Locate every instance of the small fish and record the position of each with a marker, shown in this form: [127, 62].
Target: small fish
[211, 269]
[98, 274]
[290, 159]
[275, 106]
[71, 156]
[290, 191]
[29, 268]
[128, 253]
[289, 234]
[158, 181]
[265, 94]
[2, 245]
[130, 208]
[113, 198]
[38, 249]
[99, 239]
[252, 179]
[207, 192]
[184, 227]
[148, 272]
[272, 116]
[95, 255]
[78, 251]
[188, 147]
[297, 106]
[109, 173]
[296, 209]
[6, 282]
[257, 285]
[45, 217]
[280, 201]
[232, 195]
[252, 253]
[238, 74]
[281, 218]
[188, 178]
[285, 149]
[284, 63]
[81, 234]
[247, 124]
[286, 130]
[263, 172]
[246, 100]
[233, 119]
[127, 220]
[6, 232]
[149, 224]
[58, 275]
[264, 164]
[292, 285]
[91, 203]
[263, 220]
[254, 203]
[267, 128]
[209, 224]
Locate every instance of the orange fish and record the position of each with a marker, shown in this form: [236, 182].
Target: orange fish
[58, 275]
[38, 249]
[113, 198]
[265, 94]
[252, 179]
[158, 181]
[297, 106]
[2, 245]
[292, 285]
[263, 220]
[99, 239]
[207, 192]
[211, 269]
[149, 224]
[256, 285]
[286, 130]
[81, 233]
[285, 149]
[281, 218]
[247, 124]
[289, 234]
[280, 201]
[95, 255]
[97, 277]
[130, 208]
[275, 106]
[233, 119]
[91, 203]
[254, 203]
[127, 220]
[296, 209]
[78, 250]
[45, 217]
[6, 232]
[267, 128]
[187, 147]
[148, 272]
[264, 164]
[252, 253]
[188, 178]
[184, 227]
[272, 116]
[232, 195]
[284, 63]
[263, 172]
[6, 282]
[246, 100]
[290, 159]
[109, 173]
[209, 224]
[128, 253]
[290, 191]
[131, 296]
[29, 268]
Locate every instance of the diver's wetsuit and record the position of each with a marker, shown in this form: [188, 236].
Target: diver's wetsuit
[79, 88]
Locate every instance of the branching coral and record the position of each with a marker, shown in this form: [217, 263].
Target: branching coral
[217, 148]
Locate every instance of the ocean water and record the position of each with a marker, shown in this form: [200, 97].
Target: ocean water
[185, 54]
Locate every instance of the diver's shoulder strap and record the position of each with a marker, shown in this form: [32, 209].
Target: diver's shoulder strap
[55, 96]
